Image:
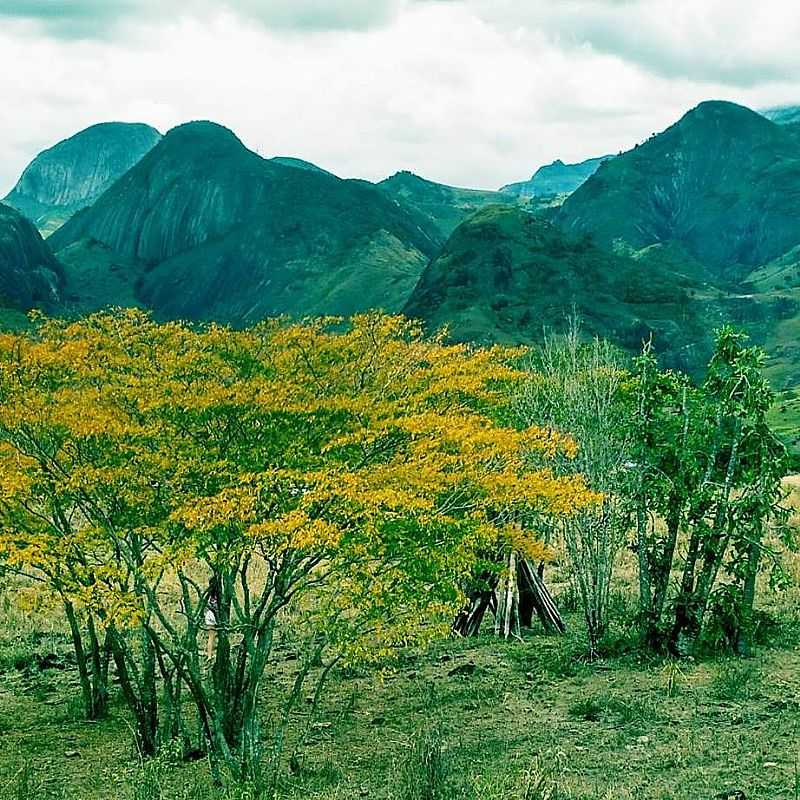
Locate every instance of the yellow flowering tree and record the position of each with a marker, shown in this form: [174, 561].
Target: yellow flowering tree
[327, 482]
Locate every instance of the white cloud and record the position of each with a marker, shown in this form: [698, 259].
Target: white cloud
[737, 42]
[469, 92]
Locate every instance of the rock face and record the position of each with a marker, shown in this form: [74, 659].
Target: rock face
[556, 178]
[30, 276]
[221, 233]
[298, 163]
[723, 182]
[75, 172]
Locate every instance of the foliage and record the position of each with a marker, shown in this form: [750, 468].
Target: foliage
[736, 681]
[711, 468]
[506, 274]
[325, 487]
[428, 772]
[583, 389]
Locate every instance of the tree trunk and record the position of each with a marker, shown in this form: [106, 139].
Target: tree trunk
[138, 689]
[81, 661]
[468, 622]
[744, 639]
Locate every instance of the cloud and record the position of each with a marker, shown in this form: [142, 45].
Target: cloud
[318, 15]
[74, 18]
[734, 42]
[465, 92]
[105, 19]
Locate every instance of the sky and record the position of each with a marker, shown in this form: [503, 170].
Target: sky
[467, 92]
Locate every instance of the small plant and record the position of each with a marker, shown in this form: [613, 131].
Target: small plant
[543, 780]
[674, 676]
[428, 772]
[736, 681]
[24, 788]
[147, 784]
[590, 709]
[599, 708]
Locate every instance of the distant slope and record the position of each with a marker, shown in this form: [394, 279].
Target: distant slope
[505, 275]
[556, 178]
[446, 207]
[724, 182]
[75, 172]
[207, 229]
[299, 163]
[783, 115]
[30, 276]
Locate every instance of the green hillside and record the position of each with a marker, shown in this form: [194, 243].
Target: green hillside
[723, 181]
[203, 228]
[29, 274]
[505, 275]
[443, 206]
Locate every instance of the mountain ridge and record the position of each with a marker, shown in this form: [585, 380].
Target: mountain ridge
[30, 276]
[220, 233]
[556, 178]
[723, 181]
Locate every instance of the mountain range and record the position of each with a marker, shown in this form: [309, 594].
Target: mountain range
[783, 115]
[30, 275]
[724, 182]
[694, 227]
[203, 228]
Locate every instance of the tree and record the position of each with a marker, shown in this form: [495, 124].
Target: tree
[334, 481]
[581, 388]
[711, 468]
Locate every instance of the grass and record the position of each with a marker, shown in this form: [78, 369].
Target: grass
[468, 720]
[620, 732]
[736, 681]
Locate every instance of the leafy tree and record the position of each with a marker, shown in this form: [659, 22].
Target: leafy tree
[323, 484]
[711, 468]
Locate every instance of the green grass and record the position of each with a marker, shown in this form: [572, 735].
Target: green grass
[736, 681]
[466, 720]
[423, 731]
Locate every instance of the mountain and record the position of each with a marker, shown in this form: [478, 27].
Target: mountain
[30, 276]
[723, 182]
[202, 228]
[75, 172]
[505, 275]
[783, 115]
[556, 178]
[444, 206]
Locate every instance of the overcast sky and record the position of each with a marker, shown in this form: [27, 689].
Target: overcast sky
[469, 92]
